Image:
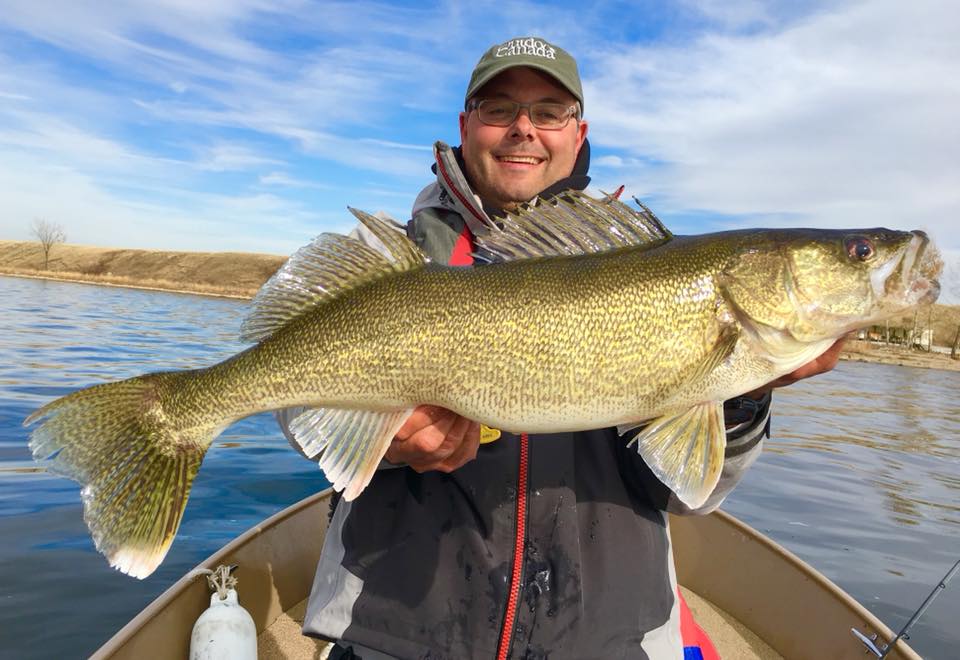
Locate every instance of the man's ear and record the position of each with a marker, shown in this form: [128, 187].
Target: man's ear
[581, 134]
[463, 127]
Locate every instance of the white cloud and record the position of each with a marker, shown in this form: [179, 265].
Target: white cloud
[88, 27]
[14, 97]
[223, 157]
[609, 161]
[61, 143]
[733, 13]
[92, 214]
[846, 117]
[196, 64]
[285, 180]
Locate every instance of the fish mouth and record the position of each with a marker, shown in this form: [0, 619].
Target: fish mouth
[913, 277]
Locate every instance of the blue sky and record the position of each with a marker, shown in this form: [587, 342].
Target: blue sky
[251, 125]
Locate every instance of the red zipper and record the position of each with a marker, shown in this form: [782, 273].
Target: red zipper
[509, 619]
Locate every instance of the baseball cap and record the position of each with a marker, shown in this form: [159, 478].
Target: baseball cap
[533, 52]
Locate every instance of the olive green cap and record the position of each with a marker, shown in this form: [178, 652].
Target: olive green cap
[533, 52]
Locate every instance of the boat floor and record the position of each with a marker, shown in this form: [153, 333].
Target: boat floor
[283, 638]
[732, 639]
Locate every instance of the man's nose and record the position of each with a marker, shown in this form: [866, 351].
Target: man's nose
[522, 127]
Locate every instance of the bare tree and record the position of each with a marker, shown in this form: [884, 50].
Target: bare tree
[49, 234]
[953, 279]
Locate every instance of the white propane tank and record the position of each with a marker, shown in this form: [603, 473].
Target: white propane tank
[225, 631]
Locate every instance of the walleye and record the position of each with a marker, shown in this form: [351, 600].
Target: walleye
[589, 314]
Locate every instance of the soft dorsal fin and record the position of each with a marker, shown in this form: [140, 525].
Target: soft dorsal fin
[330, 265]
[571, 223]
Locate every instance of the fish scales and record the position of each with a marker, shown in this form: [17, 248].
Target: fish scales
[577, 334]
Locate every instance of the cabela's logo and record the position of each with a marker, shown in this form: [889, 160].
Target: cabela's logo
[529, 46]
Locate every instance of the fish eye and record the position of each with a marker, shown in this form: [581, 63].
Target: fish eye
[860, 248]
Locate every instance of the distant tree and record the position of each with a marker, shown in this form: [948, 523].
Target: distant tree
[954, 279]
[951, 282]
[49, 234]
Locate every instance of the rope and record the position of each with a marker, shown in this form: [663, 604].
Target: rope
[219, 579]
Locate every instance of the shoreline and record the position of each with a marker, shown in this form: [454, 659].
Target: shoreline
[854, 350]
[236, 275]
[74, 279]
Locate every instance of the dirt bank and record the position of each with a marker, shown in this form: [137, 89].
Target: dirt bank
[863, 351]
[235, 274]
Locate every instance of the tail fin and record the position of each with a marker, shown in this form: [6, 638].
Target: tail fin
[134, 460]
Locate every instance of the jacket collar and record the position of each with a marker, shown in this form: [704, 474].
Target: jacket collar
[457, 193]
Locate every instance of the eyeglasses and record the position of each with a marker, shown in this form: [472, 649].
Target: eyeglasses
[502, 112]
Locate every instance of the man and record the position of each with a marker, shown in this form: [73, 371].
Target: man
[523, 547]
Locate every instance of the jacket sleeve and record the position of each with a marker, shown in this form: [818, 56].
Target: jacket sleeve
[748, 422]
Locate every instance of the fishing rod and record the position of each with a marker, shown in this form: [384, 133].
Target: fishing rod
[903, 634]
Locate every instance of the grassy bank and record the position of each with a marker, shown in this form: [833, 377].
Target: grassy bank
[240, 275]
[234, 274]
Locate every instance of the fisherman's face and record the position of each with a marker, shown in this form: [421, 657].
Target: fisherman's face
[509, 165]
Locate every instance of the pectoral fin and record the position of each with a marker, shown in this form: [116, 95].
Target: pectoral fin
[686, 451]
[728, 334]
[349, 443]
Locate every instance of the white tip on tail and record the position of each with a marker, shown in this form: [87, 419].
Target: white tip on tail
[136, 563]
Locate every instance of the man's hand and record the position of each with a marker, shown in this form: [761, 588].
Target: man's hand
[827, 361]
[434, 438]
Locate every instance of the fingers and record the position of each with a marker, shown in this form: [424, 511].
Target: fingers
[465, 437]
[426, 428]
[434, 438]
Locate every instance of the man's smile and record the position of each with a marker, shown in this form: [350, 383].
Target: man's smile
[526, 160]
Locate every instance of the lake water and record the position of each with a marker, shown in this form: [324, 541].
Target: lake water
[861, 479]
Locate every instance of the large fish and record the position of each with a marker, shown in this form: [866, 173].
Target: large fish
[589, 315]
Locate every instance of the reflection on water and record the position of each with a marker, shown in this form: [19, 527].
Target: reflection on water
[861, 478]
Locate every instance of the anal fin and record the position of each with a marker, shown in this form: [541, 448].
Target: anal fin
[685, 451]
[349, 443]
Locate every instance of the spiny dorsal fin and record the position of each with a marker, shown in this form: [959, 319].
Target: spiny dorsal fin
[405, 254]
[571, 223]
[324, 269]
